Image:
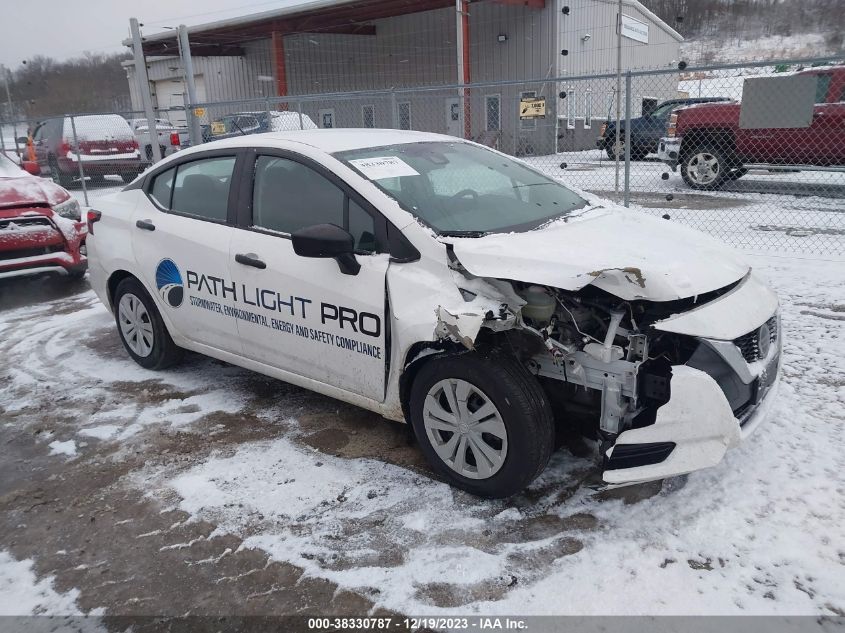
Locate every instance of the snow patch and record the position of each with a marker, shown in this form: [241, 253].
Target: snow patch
[63, 448]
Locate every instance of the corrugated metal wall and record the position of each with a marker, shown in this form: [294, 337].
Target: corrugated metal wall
[506, 43]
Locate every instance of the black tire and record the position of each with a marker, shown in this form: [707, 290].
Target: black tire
[715, 171]
[77, 273]
[165, 352]
[521, 403]
[61, 179]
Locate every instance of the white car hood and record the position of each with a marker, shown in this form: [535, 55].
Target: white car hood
[628, 254]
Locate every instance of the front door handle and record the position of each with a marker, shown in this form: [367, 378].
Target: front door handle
[250, 259]
[147, 225]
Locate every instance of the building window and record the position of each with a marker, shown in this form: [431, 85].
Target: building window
[368, 116]
[326, 118]
[404, 115]
[571, 99]
[493, 108]
[588, 109]
[527, 124]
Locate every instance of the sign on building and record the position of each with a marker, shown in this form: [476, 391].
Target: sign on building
[634, 29]
[532, 108]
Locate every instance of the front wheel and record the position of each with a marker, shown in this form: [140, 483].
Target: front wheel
[705, 167]
[141, 328]
[483, 422]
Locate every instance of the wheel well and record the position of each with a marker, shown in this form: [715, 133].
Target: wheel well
[418, 355]
[423, 352]
[723, 139]
[115, 278]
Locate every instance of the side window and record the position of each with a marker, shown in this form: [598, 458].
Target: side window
[289, 196]
[822, 85]
[201, 188]
[163, 187]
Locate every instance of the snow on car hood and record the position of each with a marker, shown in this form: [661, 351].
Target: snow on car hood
[16, 192]
[628, 254]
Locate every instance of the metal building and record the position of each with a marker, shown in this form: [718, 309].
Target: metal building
[512, 48]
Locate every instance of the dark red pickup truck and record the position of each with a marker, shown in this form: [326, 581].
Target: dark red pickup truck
[710, 147]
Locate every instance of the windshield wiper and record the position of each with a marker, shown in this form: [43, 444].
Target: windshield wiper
[463, 233]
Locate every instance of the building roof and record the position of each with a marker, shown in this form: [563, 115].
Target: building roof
[224, 37]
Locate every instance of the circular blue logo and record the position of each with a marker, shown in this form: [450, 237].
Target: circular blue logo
[169, 283]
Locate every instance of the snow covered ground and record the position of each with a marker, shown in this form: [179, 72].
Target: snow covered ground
[325, 489]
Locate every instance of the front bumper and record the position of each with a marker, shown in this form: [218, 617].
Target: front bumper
[712, 408]
[669, 151]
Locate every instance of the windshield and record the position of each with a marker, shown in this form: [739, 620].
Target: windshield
[9, 170]
[665, 110]
[463, 189]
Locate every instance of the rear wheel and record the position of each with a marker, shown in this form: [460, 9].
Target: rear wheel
[705, 167]
[483, 422]
[141, 328]
[56, 174]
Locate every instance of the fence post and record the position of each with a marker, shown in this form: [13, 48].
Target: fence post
[79, 161]
[195, 132]
[144, 87]
[627, 193]
[394, 113]
[299, 110]
[2, 140]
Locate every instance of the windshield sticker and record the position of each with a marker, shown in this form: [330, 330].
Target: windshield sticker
[382, 167]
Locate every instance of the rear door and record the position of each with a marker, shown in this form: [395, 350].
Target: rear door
[304, 315]
[181, 235]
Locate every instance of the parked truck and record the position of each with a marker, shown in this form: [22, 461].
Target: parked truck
[171, 138]
[710, 146]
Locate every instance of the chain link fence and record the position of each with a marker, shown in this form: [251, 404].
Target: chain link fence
[754, 155]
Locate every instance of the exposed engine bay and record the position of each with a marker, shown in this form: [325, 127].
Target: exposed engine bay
[608, 370]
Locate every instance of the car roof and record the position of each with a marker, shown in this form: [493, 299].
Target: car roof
[331, 140]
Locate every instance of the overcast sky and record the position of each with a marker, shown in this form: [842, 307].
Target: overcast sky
[68, 28]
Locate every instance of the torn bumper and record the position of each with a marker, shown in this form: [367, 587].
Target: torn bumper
[693, 430]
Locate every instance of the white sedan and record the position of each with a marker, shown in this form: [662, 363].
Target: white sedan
[438, 282]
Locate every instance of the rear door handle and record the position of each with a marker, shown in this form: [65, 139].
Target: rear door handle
[250, 259]
[146, 225]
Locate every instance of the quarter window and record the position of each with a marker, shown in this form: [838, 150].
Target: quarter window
[199, 188]
[163, 187]
[289, 196]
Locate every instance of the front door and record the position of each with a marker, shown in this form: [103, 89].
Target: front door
[453, 117]
[304, 315]
[181, 242]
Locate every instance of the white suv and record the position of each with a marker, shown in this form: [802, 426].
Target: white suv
[439, 282]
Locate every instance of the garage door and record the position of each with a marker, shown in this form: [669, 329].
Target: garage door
[168, 94]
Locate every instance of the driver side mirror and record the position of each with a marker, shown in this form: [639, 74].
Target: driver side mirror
[22, 140]
[31, 167]
[327, 240]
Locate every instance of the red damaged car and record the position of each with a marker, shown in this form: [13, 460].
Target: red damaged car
[40, 227]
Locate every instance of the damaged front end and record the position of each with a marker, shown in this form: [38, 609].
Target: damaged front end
[665, 387]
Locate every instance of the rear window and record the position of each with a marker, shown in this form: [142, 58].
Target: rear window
[98, 127]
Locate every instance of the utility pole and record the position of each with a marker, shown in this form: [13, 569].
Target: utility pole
[144, 87]
[188, 68]
[5, 72]
[618, 95]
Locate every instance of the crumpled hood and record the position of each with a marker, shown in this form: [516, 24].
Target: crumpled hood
[628, 254]
[16, 192]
